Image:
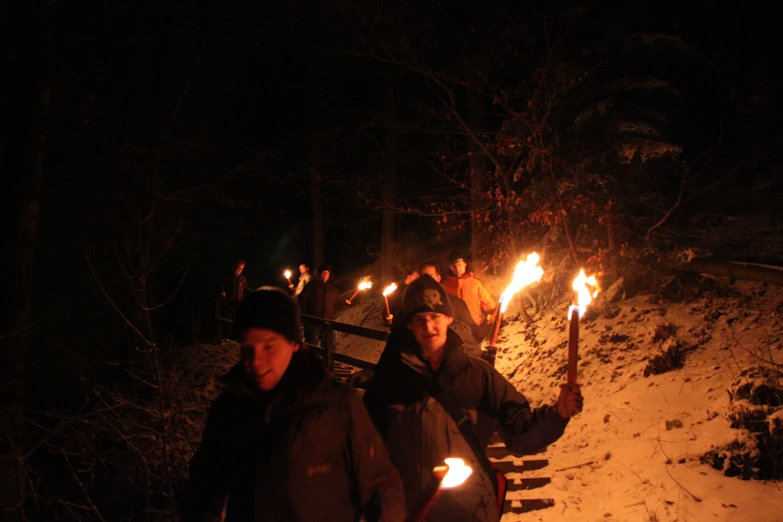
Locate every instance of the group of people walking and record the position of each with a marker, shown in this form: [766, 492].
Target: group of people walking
[284, 442]
[471, 302]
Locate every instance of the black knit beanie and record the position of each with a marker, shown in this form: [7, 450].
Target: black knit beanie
[425, 295]
[272, 309]
[457, 255]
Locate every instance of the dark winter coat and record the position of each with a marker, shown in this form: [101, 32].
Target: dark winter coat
[318, 299]
[465, 326]
[420, 434]
[235, 287]
[306, 451]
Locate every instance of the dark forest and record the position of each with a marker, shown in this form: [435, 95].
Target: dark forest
[145, 146]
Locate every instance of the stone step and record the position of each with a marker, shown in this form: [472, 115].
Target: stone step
[519, 466]
[527, 505]
[522, 484]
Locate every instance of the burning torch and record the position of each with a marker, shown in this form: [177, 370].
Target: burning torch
[526, 273]
[388, 290]
[453, 474]
[582, 285]
[364, 284]
[287, 275]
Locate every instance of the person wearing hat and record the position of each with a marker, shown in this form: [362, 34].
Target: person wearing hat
[466, 286]
[284, 442]
[417, 421]
[318, 299]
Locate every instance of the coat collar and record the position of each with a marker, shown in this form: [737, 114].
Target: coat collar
[455, 360]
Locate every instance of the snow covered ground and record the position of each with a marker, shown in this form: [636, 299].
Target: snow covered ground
[634, 453]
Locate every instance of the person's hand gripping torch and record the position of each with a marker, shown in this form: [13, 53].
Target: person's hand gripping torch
[364, 284]
[453, 474]
[386, 292]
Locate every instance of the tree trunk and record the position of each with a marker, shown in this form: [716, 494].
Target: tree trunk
[29, 40]
[513, 228]
[611, 239]
[316, 198]
[389, 190]
[478, 170]
[316, 164]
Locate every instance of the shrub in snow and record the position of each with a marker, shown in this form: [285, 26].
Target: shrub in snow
[756, 411]
[671, 357]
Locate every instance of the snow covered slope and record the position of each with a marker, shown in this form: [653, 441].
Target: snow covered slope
[635, 453]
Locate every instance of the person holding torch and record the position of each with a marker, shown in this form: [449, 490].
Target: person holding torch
[395, 298]
[304, 277]
[433, 415]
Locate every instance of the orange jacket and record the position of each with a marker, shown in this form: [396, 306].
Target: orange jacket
[470, 290]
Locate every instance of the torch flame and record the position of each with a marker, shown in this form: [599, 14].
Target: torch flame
[365, 284]
[582, 285]
[526, 273]
[457, 473]
[389, 289]
[287, 274]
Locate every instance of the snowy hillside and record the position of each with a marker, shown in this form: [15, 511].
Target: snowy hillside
[639, 451]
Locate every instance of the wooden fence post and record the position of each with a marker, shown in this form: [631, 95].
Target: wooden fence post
[329, 341]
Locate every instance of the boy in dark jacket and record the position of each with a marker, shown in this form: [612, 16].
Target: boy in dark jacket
[419, 432]
[235, 286]
[318, 299]
[284, 442]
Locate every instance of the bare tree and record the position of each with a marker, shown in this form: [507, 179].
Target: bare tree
[29, 35]
[389, 185]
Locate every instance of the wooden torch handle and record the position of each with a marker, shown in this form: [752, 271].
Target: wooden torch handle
[573, 346]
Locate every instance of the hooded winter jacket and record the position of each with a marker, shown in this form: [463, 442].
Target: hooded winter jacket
[305, 451]
[419, 433]
[470, 290]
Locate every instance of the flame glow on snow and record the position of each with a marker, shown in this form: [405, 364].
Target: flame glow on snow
[582, 285]
[389, 289]
[526, 273]
[457, 474]
[365, 284]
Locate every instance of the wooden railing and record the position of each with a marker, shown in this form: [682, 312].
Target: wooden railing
[330, 327]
